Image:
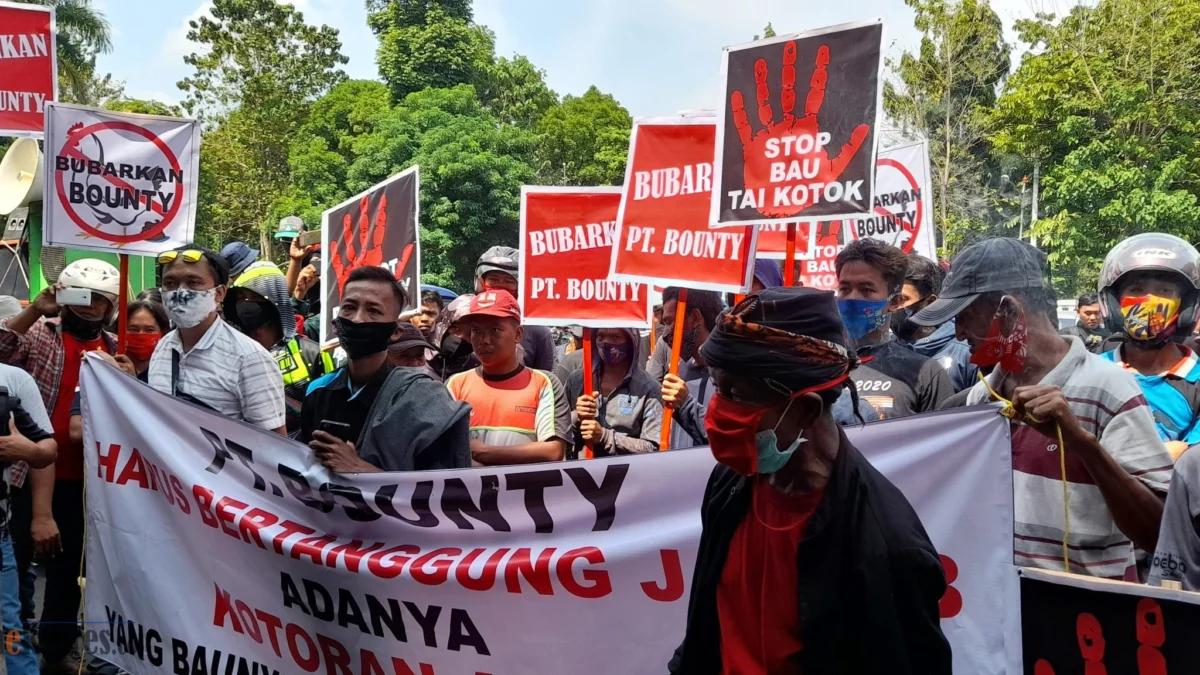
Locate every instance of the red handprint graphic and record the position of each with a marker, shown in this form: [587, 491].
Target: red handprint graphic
[345, 257]
[952, 601]
[787, 160]
[1151, 634]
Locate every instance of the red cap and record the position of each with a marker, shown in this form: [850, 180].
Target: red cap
[498, 303]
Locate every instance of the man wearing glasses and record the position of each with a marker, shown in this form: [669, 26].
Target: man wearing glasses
[205, 360]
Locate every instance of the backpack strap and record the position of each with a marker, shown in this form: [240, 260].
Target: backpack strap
[1191, 393]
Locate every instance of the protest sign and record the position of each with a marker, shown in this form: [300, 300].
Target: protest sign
[119, 182]
[274, 561]
[1078, 624]
[903, 206]
[374, 228]
[567, 236]
[662, 230]
[28, 67]
[813, 162]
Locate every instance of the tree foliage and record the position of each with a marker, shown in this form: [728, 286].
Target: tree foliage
[584, 141]
[427, 44]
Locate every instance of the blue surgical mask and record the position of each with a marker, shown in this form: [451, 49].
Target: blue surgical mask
[770, 458]
[863, 317]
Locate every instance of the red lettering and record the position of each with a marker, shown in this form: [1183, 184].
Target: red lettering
[400, 667]
[253, 521]
[336, 656]
[108, 461]
[537, 574]
[223, 609]
[309, 662]
[389, 568]
[441, 568]
[601, 584]
[247, 616]
[134, 470]
[352, 553]
[312, 547]
[370, 664]
[486, 578]
[226, 517]
[273, 625]
[289, 528]
[181, 496]
[204, 500]
[672, 590]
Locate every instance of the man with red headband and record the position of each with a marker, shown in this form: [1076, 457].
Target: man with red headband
[810, 561]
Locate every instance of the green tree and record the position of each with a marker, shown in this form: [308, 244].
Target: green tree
[427, 44]
[584, 141]
[515, 91]
[142, 107]
[1105, 102]
[82, 32]
[943, 92]
[768, 32]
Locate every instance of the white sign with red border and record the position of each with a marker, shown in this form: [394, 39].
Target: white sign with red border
[903, 203]
[119, 182]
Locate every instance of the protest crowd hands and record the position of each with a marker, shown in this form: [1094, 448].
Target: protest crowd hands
[674, 391]
[1049, 407]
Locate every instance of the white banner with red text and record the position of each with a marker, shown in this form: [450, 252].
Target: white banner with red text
[213, 546]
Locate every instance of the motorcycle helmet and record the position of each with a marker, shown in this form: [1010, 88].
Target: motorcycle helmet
[1151, 251]
[95, 275]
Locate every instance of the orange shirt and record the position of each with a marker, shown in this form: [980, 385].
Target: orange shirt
[527, 406]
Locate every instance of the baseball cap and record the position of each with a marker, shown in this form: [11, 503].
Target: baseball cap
[1000, 264]
[289, 228]
[497, 303]
[410, 337]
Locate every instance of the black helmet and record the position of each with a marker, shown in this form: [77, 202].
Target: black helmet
[497, 259]
[1151, 251]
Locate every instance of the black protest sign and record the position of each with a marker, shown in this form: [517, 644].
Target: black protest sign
[1073, 625]
[798, 129]
[377, 228]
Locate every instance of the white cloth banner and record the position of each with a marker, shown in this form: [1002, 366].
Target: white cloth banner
[119, 182]
[903, 213]
[211, 542]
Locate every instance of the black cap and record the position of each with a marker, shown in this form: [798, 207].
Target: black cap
[1001, 264]
[410, 337]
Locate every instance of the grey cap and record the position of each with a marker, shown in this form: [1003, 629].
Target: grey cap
[991, 265]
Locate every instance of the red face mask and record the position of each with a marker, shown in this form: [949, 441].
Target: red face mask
[140, 346]
[1007, 339]
[732, 429]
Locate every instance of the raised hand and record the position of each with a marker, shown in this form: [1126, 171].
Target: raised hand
[800, 163]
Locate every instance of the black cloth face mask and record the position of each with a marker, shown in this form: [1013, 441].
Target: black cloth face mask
[363, 339]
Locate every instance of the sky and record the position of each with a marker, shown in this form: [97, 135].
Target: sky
[656, 57]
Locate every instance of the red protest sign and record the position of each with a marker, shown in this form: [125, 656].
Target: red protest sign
[663, 234]
[814, 263]
[567, 237]
[28, 67]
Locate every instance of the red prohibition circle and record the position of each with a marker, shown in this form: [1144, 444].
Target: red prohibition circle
[912, 180]
[167, 217]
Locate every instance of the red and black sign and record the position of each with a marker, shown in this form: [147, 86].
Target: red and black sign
[799, 127]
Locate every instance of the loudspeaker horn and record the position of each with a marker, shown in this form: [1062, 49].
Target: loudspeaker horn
[20, 175]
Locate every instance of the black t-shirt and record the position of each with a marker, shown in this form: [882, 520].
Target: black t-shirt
[329, 398]
[898, 381]
[29, 429]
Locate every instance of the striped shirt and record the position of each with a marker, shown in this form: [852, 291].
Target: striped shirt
[1108, 404]
[529, 406]
[226, 371]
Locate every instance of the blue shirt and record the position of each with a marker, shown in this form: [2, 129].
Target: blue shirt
[1172, 411]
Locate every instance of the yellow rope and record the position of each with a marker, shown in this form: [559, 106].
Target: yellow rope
[1011, 413]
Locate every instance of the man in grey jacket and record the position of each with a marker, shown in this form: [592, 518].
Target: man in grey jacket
[622, 414]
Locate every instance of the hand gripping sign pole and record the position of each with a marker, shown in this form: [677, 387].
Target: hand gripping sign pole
[588, 383]
[789, 265]
[676, 342]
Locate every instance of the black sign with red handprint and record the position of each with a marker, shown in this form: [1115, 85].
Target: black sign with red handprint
[797, 134]
[374, 228]
[1088, 627]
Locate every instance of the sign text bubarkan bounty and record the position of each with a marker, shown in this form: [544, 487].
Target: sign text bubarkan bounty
[117, 196]
[22, 46]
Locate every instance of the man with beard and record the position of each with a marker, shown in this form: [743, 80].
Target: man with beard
[51, 350]
[810, 561]
[1089, 326]
[922, 282]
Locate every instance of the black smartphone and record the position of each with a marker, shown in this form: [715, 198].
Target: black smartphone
[339, 430]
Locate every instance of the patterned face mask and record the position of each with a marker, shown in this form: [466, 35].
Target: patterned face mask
[1007, 339]
[1148, 317]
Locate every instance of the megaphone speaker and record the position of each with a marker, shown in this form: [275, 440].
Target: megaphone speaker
[20, 175]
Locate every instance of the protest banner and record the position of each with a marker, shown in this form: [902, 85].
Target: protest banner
[28, 67]
[119, 182]
[1077, 624]
[567, 236]
[272, 560]
[375, 228]
[903, 206]
[662, 228]
[812, 163]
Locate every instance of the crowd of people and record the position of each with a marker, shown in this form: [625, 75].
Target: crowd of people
[791, 512]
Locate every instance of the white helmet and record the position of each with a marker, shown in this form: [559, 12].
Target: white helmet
[95, 275]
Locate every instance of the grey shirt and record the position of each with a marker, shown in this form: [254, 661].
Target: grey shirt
[1178, 554]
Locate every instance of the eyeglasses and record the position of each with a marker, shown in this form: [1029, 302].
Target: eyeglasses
[190, 255]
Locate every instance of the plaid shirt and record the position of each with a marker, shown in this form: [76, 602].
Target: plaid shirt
[39, 352]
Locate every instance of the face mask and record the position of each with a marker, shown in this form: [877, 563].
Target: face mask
[363, 339]
[454, 347]
[252, 315]
[84, 329]
[1149, 317]
[736, 441]
[1007, 340]
[901, 326]
[863, 317]
[615, 355]
[140, 346]
[189, 308]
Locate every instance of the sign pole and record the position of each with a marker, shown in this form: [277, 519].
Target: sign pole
[123, 303]
[789, 266]
[589, 384]
[676, 343]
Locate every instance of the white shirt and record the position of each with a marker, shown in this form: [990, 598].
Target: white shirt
[227, 371]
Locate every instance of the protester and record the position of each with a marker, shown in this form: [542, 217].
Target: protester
[895, 380]
[1177, 558]
[1089, 324]
[454, 354]
[497, 270]
[571, 358]
[622, 412]
[147, 322]
[48, 341]
[519, 414]
[833, 572]
[259, 306]
[703, 308]
[766, 275]
[922, 282]
[427, 316]
[1150, 289]
[408, 349]
[205, 360]
[1117, 469]
[304, 285]
[238, 257]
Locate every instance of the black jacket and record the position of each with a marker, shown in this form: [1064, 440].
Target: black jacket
[870, 580]
[415, 425]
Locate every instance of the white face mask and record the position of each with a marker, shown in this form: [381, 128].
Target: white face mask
[189, 308]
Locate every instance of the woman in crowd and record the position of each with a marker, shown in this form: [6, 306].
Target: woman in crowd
[146, 323]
